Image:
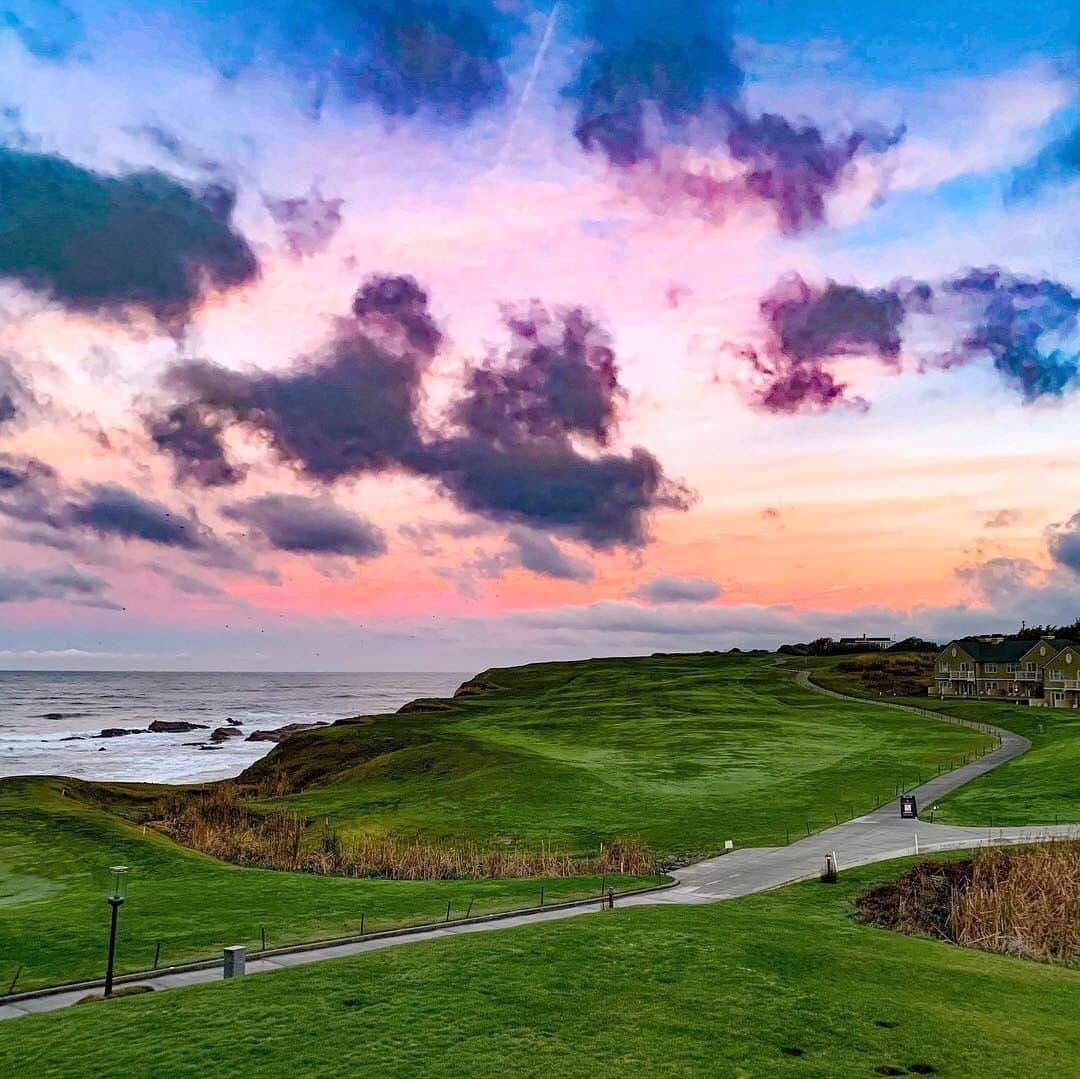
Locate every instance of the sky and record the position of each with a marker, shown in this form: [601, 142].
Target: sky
[420, 335]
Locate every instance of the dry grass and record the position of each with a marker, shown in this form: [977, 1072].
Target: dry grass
[217, 821]
[1023, 902]
[904, 674]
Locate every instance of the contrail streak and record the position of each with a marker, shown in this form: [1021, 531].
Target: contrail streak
[530, 82]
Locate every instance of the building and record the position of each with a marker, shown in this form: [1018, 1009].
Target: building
[867, 642]
[1042, 673]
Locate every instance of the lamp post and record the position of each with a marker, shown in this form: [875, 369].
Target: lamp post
[117, 895]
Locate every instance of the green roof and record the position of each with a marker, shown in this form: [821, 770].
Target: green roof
[1006, 651]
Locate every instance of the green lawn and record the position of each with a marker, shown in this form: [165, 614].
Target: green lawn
[1040, 787]
[684, 751]
[53, 916]
[732, 989]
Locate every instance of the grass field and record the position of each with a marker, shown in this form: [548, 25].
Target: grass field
[1041, 787]
[683, 751]
[53, 916]
[773, 985]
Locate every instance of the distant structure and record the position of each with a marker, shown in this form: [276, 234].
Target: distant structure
[867, 642]
[1043, 673]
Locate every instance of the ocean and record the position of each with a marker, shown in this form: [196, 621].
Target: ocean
[50, 721]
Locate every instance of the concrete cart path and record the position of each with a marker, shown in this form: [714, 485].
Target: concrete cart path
[875, 837]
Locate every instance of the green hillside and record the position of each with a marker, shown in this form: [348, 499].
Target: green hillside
[684, 751]
[773, 985]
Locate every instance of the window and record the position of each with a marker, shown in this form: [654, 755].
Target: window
[1057, 676]
[965, 666]
[991, 687]
[1029, 668]
[991, 668]
[943, 667]
[1011, 668]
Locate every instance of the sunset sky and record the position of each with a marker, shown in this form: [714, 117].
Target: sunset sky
[419, 334]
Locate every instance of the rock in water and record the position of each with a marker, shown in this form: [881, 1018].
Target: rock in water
[168, 726]
[223, 734]
[118, 732]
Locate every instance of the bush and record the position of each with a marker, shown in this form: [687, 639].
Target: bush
[1022, 902]
[218, 822]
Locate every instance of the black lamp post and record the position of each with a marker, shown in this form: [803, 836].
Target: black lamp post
[117, 894]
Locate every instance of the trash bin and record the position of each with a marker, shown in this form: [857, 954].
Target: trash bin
[908, 808]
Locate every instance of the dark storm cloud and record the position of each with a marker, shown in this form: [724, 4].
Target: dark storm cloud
[351, 409]
[192, 436]
[308, 222]
[678, 590]
[31, 493]
[806, 326]
[538, 554]
[557, 378]
[508, 453]
[1014, 316]
[794, 166]
[437, 55]
[640, 56]
[308, 526]
[111, 510]
[19, 585]
[107, 245]
[1023, 325]
[437, 58]
[604, 501]
[664, 75]
[392, 302]
[811, 324]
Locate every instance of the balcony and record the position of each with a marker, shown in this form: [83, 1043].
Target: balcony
[1025, 676]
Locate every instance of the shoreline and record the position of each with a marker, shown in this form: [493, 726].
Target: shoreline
[51, 723]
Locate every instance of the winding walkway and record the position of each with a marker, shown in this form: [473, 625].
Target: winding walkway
[875, 837]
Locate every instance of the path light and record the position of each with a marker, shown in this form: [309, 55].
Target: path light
[117, 895]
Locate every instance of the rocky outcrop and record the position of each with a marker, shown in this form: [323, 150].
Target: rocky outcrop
[223, 734]
[472, 687]
[425, 704]
[282, 733]
[119, 732]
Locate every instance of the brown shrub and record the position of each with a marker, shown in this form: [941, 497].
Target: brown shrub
[903, 675]
[1023, 902]
[216, 821]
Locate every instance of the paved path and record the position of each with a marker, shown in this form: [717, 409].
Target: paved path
[875, 837]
